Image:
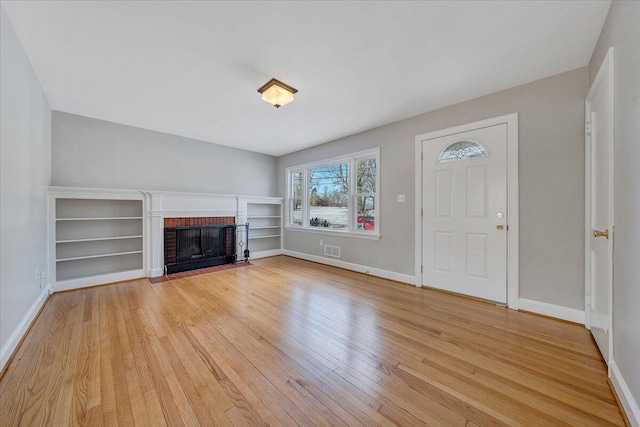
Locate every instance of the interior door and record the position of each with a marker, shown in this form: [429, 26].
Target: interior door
[599, 209]
[464, 217]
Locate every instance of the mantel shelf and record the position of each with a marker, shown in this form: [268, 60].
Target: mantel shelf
[263, 216]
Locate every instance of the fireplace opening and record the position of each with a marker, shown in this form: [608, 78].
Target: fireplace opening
[192, 247]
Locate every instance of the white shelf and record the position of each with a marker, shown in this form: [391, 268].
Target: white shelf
[98, 239]
[110, 218]
[116, 276]
[98, 256]
[265, 217]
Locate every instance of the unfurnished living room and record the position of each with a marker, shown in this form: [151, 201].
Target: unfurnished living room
[332, 213]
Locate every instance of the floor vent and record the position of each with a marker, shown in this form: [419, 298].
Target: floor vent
[333, 251]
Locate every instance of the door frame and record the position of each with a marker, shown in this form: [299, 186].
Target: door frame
[511, 120]
[607, 65]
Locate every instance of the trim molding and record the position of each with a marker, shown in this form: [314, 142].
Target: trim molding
[385, 274]
[263, 254]
[606, 71]
[552, 310]
[103, 279]
[355, 234]
[629, 404]
[513, 235]
[9, 348]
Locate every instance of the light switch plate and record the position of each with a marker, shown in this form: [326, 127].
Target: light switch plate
[400, 198]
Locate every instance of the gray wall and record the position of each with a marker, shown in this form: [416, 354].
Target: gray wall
[98, 154]
[551, 167]
[25, 166]
[622, 30]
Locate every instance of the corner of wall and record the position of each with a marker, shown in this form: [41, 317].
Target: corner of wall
[8, 349]
[25, 145]
[625, 396]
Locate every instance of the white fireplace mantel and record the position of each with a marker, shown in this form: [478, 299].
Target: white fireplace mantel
[161, 205]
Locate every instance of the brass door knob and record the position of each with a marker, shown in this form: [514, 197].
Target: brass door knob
[598, 233]
[500, 227]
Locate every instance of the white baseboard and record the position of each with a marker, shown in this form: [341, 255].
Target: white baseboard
[385, 274]
[629, 404]
[87, 282]
[264, 254]
[12, 343]
[552, 310]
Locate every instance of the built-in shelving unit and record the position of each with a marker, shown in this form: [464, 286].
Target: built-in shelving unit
[97, 237]
[265, 226]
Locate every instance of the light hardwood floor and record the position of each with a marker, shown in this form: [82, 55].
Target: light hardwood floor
[288, 342]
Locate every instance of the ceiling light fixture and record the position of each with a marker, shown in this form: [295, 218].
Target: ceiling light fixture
[277, 93]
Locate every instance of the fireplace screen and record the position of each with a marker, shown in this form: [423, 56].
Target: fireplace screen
[189, 248]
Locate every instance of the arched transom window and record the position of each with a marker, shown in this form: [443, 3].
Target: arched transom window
[462, 150]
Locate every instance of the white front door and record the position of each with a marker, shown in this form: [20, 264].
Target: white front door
[599, 215]
[465, 218]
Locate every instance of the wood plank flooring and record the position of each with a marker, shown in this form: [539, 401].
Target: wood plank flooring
[288, 342]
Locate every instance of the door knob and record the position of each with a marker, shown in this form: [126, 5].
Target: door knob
[598, 233]
[500, 227]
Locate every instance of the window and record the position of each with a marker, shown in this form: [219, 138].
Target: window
[366, 175]
[329, 196]
[462, 150]
[336, 195]
[295, 195]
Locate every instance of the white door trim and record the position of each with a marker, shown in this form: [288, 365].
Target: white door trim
[511, 120]
[607, 65]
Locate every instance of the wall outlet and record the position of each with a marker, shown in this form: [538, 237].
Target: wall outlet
[401, 198]
[321, 243]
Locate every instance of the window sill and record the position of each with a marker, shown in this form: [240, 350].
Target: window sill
[368, 236]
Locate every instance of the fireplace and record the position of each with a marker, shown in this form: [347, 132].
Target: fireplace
[192, 243]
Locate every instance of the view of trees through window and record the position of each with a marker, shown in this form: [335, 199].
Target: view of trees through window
[329, 196]
[333, 198]
[296, 197]
[367, 169]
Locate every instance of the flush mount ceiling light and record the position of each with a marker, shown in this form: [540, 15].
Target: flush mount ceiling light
[277, 93]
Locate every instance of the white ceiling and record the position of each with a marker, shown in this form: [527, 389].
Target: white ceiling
[193, 68]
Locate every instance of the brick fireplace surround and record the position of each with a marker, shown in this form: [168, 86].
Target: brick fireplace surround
[178, 209]
[170, 238]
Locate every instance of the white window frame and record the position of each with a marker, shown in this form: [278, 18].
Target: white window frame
[289, 199]
[352, 228]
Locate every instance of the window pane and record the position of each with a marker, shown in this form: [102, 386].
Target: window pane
[296, 198]
[366, 213]
[366, 175]
[329, 196]
[462, 150]
[367, 170]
